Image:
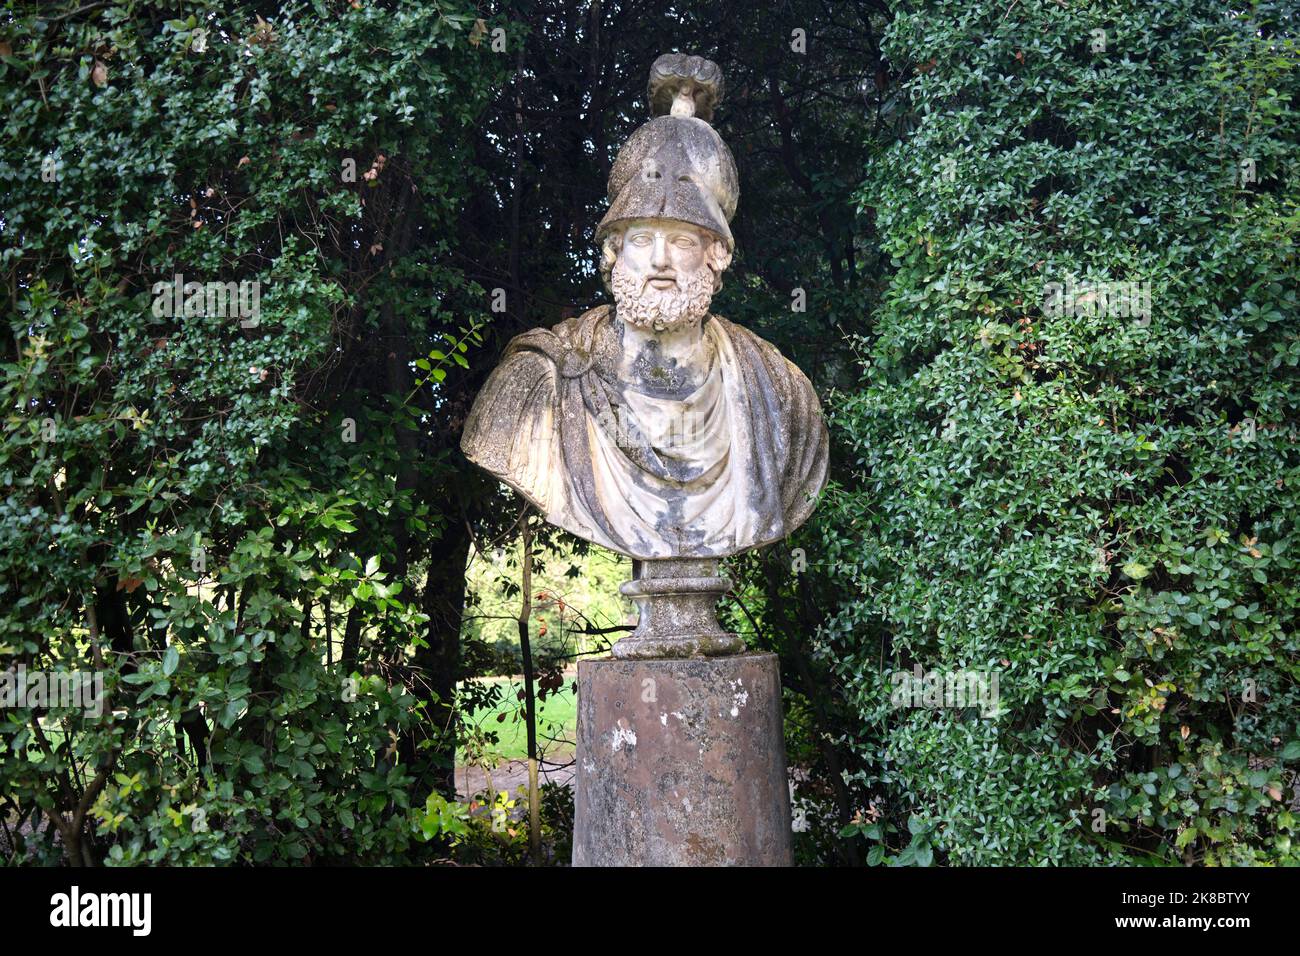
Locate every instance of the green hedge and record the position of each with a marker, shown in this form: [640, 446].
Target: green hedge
[1100, 508]
[181, 507]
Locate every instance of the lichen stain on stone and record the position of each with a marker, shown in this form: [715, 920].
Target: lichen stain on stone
[623, 734]
[701, 851]
[739, 699]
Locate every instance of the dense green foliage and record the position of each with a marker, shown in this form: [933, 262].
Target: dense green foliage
[258, 532]
[227, 518]
[1100, 509]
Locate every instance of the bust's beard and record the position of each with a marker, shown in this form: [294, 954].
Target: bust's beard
[662, 309]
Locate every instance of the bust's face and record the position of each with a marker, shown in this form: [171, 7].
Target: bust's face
[658, 251]
[664, 276]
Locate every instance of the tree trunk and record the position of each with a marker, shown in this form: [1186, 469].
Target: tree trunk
[436, 667]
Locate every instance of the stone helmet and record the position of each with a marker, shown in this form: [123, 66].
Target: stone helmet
[676, 166]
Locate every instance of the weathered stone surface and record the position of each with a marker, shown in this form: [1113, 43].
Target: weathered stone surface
[675, 77]
[678, 601]
[733, 465]
[656, 428]
[681, 763]
[676, 166]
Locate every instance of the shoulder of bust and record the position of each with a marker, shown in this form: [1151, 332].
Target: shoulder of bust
[568, 345]
[571, 331]
[582, 325]
[780, 368]
[740, 333]
[521, 387]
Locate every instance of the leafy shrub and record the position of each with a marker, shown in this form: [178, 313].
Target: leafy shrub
[179, 514]
[1101, 509]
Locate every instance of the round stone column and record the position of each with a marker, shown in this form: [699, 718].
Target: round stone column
[681, 762]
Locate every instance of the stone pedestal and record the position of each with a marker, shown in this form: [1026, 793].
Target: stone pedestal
[678, 601]
[681, 762]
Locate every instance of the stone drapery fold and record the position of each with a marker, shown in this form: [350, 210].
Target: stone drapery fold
[735, 465]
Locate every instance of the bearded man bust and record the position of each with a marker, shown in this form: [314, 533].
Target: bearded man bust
[653, 427]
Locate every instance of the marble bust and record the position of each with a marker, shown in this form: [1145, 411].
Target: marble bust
[651, 426]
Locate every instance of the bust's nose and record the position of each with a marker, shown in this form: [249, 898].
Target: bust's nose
[659, 258]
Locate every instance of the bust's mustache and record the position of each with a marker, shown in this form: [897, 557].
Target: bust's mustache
[666, 276]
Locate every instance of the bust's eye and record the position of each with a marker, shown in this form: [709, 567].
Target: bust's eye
[683, 242]
[641, 240]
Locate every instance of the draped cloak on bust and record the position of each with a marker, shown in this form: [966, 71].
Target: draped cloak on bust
[736, 464]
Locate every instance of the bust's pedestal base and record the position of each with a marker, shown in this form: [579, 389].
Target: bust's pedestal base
[681, 763]
[678, 601]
